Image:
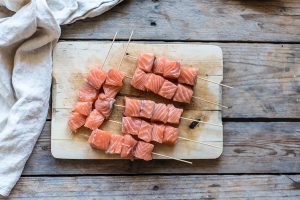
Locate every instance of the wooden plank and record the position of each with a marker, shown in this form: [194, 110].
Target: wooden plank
[248, 148]
[273, 21]
[160, 187]
[73, 60]
[266, 78]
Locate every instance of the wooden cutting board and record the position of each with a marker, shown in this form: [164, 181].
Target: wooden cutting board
[73, 60]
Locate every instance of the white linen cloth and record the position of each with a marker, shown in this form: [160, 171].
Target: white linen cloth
[27, 37]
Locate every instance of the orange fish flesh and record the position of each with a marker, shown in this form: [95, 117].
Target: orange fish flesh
[145, 131]
[188, 75]
[160, 113]
[87, 93]
[132, 107]
[174, 114]
[83, 108]
[100, 139]
[115, 78]
[167, 90]
[104, 105]
[96, 77]
[94, 120]
[154, 83]
[147, 108]
[131, 125]
[143, 150]
[76, 121]
[145, 61]
[128, 145]
[183, 94]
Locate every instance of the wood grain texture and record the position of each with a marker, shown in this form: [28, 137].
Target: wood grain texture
[266, 78]
[248, 148]
[217, 20]
[72, 61]
[159, 187]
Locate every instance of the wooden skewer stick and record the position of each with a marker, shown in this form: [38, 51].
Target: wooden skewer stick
[162, 155]
[210, 102]
[205, 79]
[200, 121]
[196, 141]
[115, 121]
[109, 49]
[184, 118]
[125, 50]
[182, 138]
[199, 77]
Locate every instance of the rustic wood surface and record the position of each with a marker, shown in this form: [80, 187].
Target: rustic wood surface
[160, 187]
[217, 20]
[261, 49]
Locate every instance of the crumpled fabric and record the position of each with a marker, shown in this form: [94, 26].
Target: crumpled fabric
[28, 32]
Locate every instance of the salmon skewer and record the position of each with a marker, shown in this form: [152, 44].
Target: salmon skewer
[152, 132]
[171, 69]
[160, 133]
[165, 88]
[150, 110]
[166, 113]
[86, 96]
[125, 145]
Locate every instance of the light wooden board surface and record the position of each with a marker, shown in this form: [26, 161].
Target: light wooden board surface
[72, 61]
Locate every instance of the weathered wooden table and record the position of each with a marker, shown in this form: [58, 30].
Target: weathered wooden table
[261, 158]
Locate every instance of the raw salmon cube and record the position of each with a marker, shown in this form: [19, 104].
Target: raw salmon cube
[76, 121]
[183, 94]
[128, 145]
[143, 150]
[154, 83]
[111, 91]
[168, 89]
[147, 108]
[174, 114]
[94, 120]
[158, 133]
[160, 113]
[170, 135]
[87, 93]
[115, 144]
[104, 105]
[83, 108]
[96, 77]
[100, 139]
[159, 65]
[145, 61]
[115, 77]
[139, 79]
[188, 75]
[131, 125]
[132, 107]
[145, 131]
[171, 69]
